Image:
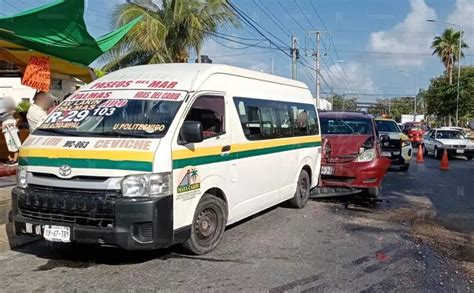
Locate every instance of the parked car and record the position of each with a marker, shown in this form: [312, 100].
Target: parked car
[395, 145]
[351, 152]
[451, 140]
[465, 131]
[415, 131]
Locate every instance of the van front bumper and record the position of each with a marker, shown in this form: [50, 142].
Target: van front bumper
[98, 217]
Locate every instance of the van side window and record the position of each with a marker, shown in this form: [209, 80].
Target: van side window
[210, 111]
[265, 119]
[258, 118]
[305, 120]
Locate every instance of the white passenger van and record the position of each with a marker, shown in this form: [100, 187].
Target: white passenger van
[150, 156]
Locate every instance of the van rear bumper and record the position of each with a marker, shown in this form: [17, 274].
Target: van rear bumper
[136, 224]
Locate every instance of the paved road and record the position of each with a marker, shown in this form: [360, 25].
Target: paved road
[450, 192]
[331, 245]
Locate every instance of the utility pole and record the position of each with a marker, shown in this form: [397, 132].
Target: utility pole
[318, 69]
[272, 65]
[294, 58]
[316, 52]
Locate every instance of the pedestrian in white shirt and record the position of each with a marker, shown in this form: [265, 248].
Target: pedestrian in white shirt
[38, 110]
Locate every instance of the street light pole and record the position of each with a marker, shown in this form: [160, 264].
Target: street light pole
[459, 63]
[459, 75]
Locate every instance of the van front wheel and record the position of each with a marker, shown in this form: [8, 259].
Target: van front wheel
[208, 225]
[303, 187]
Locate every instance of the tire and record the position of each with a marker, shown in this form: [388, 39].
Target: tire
[469, 158]
[405, 167]
[209, 222]
[373, 192]
[301, 197]
[436, 153]
[425, 151]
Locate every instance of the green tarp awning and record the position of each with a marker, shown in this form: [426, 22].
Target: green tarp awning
[58, 29]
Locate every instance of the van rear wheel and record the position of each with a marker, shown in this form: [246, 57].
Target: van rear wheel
[301, 197]
[208, 225]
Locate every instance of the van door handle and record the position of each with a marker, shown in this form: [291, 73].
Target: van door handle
[225, 148]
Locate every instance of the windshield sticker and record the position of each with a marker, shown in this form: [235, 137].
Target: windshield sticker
[150, 128]
[111, 117]
[128, 94]
[173, 96]
[134, 84]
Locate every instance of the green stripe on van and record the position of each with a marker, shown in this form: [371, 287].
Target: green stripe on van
[181, 163]
[87, 163]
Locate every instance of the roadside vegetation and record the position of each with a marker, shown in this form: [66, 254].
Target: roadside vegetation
[167, 34]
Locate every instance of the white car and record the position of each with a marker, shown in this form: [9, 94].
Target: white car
[451, 140]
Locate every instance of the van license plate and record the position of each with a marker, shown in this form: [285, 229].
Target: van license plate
[327, 170]
[57, 233]
[386, 154]
[460, 151]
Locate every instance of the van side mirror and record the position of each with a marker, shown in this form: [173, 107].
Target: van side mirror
[191, 132]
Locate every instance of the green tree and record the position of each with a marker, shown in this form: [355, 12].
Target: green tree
[394, 107]
[440, 97]
[446, 47]
[167, 34]
[340, 103]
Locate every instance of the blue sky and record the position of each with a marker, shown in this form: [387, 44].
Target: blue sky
[368, 45]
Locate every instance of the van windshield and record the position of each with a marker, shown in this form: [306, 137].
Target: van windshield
[110, 117]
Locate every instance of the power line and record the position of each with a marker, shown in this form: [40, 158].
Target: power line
[249, 21]
[330, 37]
[271, 50]
[304, 14]
[287, 12]
[242, 43]
[263, 9]
[390, 53]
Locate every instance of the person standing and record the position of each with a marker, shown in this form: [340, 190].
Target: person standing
[38, 110]
[10, 130]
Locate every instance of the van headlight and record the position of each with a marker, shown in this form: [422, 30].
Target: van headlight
[406, 143]
[21, 177]
[147, 185]
[366, 156]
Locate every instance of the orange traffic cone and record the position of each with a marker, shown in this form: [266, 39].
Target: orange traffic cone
[419, 155]
[444, 161]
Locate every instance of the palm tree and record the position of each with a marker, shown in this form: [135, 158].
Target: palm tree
[167, 34]
[447, 48]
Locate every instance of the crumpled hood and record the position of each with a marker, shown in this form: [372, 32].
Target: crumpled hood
[345, 146]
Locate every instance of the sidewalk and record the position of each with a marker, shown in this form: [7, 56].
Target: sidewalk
[8, 239]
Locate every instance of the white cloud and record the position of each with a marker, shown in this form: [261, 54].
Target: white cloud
[360, 80]
[463, 15]
[405, 37]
